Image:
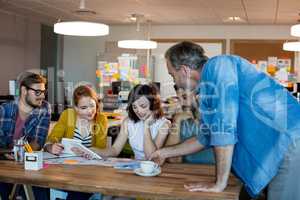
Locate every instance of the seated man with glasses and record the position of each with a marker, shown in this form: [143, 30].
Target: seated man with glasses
[26, 117]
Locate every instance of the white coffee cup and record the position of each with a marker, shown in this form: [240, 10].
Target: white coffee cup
[148, 166]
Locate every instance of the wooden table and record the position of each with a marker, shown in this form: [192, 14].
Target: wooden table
[106, 180]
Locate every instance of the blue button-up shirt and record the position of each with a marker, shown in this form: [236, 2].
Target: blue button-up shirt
[243, 106]
[35, 128]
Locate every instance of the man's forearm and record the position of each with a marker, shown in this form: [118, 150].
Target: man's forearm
[187, 147]
[223, 163]
[149, 146]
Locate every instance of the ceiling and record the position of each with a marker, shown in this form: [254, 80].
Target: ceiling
[163, 12]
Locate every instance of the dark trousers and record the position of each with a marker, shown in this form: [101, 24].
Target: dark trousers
[72, 195]
[39, 193]
[245, 196]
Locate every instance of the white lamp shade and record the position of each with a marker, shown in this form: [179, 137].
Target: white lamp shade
[291, 46]
[81, 28]
[295, 30]
[137, 44]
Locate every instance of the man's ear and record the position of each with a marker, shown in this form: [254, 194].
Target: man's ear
[23, 90]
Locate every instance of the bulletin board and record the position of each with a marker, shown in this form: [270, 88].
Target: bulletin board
[260, 49]
[260, 52]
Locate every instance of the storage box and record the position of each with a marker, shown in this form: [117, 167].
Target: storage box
[34, 160]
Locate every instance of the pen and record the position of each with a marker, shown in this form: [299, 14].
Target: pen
[28, 147]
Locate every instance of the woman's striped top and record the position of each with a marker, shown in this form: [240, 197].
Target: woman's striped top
[85, 140]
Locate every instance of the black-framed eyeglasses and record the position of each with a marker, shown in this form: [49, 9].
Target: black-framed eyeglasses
[37, 92]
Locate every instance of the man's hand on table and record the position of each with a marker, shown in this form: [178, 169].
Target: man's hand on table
[204, 187]
[158, 157]
[6, 154]
[9, 156]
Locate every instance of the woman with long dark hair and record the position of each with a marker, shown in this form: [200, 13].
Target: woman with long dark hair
[145, 127]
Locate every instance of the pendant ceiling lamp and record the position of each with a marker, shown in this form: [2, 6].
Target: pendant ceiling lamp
[291, 46]
[138, 43]
[295, 30]
[81, 28]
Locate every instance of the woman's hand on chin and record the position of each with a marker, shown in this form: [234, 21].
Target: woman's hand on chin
[150, 119]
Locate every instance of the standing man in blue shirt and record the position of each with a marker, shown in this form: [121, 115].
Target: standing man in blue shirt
[251, 122]
[28, 116]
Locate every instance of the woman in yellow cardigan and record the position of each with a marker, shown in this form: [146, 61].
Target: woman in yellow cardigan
[84, 122]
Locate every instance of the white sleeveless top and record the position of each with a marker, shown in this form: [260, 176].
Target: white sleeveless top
[136, 135]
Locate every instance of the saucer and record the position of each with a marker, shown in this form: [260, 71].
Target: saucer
[140, 172]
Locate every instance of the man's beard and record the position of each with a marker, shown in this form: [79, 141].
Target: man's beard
[30, 103]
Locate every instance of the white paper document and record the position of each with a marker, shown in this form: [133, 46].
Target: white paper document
[63, 159]
[70, 143]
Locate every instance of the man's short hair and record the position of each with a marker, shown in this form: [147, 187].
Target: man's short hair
[29, 79]
[186, 53]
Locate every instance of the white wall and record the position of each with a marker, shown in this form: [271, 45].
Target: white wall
[224, 31]
[80, 52]
[79, 58]
[20, 40]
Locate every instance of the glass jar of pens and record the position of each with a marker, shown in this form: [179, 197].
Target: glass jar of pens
[20, 146]
[19, 151]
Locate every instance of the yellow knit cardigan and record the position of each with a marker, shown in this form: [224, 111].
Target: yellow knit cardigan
[65, 127]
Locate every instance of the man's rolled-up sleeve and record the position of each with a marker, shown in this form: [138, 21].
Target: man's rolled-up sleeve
[219, 102]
